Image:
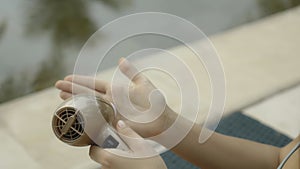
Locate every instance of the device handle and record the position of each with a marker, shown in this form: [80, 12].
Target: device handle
[113, 140]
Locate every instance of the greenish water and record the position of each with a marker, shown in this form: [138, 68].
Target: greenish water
[40, 39]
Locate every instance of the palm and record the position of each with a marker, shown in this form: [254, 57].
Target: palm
[139, 93]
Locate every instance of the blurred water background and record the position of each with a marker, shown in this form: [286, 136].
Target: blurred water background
[40, 39]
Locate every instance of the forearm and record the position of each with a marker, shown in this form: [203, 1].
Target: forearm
[225, 152]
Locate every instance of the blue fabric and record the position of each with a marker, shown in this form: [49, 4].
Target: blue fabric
[237, 125]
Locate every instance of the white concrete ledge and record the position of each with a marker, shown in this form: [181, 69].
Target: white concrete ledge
[281, 112]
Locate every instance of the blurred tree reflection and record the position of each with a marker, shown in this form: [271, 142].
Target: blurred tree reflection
[3, 25]
[14, 86]
[66, 20]
[116, 4]
[68, 23]
[50, 70]
[8, 89]
[272, 6]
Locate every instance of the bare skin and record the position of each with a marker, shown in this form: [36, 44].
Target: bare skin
[294, 160]
[219, 151]
[109, 159]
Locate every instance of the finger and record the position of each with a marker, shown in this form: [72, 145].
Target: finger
[130, 71]
[89, 82]
[100, 155]
[74, 88]
[65, 95]
[135, 142]
[119, 153]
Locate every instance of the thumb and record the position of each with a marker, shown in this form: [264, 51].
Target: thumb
[131, 138]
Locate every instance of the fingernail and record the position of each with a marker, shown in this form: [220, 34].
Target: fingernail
[121, 124]
[121, 59]
[124, 60]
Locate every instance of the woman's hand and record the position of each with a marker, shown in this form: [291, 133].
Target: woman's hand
[140, 157]
[139, 92]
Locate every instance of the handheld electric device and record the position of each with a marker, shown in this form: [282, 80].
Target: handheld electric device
[87, 120]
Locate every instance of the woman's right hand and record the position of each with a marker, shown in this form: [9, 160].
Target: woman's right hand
[141, 154]
[139, 92]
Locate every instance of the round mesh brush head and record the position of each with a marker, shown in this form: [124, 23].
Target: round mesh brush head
[80, 119]
[68, 126]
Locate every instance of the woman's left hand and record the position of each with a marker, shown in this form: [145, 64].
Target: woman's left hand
[141, 156]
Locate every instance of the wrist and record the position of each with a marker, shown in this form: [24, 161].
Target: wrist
[156, 127]
[167, 119]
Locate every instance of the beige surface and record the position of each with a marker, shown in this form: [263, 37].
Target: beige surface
[13, 155]
[281, 112]
[28, 121]
[259, 59]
